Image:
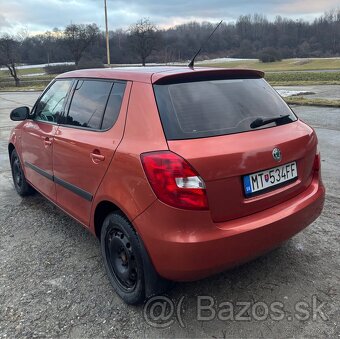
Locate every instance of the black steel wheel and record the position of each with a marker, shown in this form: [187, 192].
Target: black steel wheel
[123, 259]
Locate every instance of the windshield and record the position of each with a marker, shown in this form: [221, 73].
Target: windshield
[217, 107]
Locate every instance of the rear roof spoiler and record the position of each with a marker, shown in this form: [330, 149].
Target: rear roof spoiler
[202, 74]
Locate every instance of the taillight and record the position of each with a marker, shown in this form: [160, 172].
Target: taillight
[174, 181]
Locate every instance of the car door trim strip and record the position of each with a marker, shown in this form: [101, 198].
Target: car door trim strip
[73, 188]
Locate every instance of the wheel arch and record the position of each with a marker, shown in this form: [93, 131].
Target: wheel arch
[102, 209]
[11, 148]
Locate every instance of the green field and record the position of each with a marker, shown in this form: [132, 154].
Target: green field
[36, 82]
[287, 72]
[303, 78]
[21, 72]
[284, 65]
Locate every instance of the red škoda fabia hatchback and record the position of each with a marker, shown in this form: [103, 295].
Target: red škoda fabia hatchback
[181, 173]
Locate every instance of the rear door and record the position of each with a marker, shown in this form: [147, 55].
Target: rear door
[86, 141]
[209, 122]
[38, 135]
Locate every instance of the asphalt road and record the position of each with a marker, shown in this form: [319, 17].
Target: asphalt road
[53, 283]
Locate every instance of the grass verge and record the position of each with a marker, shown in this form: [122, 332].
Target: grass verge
[302, 83]
[25, 84]
[295, 78]
[40, 87]
[297, 100]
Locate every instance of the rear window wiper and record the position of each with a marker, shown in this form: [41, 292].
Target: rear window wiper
[281, 119]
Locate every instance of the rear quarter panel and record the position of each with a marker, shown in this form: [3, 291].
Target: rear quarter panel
[125, 183]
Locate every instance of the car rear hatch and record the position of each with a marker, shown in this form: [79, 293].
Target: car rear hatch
[206, 120]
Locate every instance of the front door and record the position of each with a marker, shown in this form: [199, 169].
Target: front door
[38, 136]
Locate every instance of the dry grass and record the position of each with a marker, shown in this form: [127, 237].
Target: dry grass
[298, 100]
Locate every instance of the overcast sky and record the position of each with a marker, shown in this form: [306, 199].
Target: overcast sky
[40, 15]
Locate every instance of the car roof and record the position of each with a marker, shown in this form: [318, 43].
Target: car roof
[157, 74]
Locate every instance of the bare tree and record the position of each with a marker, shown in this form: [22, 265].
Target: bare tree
[144, 38]
[23, 34]
[79, 38]
[250, 37]
[9, 55]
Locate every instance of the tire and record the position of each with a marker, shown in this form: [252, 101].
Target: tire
[123, 258]
[21, 185]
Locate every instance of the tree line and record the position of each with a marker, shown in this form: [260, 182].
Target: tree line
[251, 36]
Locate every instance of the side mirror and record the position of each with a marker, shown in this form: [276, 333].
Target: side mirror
[20, 113]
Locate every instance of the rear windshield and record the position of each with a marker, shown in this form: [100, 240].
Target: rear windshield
[217, 107]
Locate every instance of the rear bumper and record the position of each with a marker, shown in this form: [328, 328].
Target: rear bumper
[186, 245]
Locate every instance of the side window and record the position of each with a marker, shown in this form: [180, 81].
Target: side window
[50, 106]
[113, 105]
[88, 103]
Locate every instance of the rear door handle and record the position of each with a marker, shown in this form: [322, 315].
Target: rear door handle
[97, 157]
[47, 141]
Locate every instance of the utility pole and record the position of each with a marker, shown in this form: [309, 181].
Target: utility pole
[107, 37]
